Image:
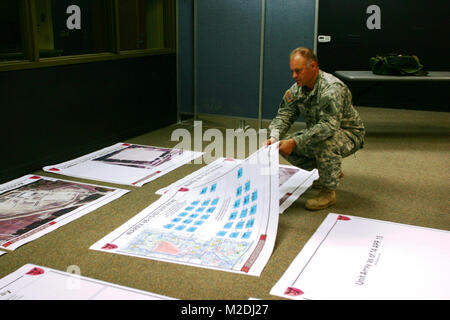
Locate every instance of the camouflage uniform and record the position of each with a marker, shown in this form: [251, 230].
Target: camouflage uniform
[333, 131]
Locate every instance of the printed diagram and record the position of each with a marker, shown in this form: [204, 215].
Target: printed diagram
[43, 199]
[293, 181]
[34, 282]
[224, 250]
[125, 163]
[140, 156]
[220, 253]
[225, 221]
[36, 203]
[350, 257]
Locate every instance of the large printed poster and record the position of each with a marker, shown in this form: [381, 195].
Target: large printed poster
[35, 205]
[33, 282]
[125, 163]
[353, 258]
[293, 181]
[228, 222]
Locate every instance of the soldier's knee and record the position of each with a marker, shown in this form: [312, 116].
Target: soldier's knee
[325, 148]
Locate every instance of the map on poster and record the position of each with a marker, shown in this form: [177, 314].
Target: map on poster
[293, 181]
[32, 206]
[33, 282]
[357, 258]
[228, 222]
[125, 163]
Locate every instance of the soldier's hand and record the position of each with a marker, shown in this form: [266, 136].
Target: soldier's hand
[286, 147]
[269, 141]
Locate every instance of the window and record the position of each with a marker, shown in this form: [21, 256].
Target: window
[56, 39]
[39, 33]
[11, 47]
[141, 24]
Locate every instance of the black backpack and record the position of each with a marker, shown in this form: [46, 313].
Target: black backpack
[397, 65]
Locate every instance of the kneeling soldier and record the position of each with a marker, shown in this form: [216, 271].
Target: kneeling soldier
[333, 131]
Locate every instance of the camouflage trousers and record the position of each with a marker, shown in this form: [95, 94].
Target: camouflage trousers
[326, 156]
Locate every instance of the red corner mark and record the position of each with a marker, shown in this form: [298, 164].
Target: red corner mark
[183, 189]
[54, 169]
[52, 223]
[109, 246]
[35, 271]
[7, 244]
[291, 291]
[344, 218]
[126, 144]
[35, 177]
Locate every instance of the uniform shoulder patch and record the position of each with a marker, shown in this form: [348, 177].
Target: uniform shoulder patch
[288, 96]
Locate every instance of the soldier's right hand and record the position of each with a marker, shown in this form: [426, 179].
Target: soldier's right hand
[269, 141]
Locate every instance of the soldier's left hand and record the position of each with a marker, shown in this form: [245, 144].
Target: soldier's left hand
[286, 147]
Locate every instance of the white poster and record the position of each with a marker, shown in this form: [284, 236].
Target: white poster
[357, 258]
[227, 223]
[125, 163]
[32, 206]
[209, 172]
[293, 181]
[32, 282]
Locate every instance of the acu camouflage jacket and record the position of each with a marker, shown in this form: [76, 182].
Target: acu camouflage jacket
[326, 108]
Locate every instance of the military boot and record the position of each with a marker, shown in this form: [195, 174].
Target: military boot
[318, 185]
[324, 199]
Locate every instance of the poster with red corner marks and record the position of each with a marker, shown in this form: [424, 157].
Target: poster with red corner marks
[125, 163]
[33, 282]
[354, 258]
[32, 206]
[293, 181]
[228, 222]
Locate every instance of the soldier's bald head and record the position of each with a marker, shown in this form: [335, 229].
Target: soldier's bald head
[306, 53]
